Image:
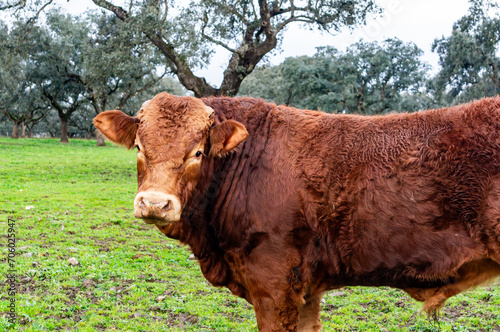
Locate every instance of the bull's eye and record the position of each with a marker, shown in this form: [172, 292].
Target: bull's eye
[198, 154]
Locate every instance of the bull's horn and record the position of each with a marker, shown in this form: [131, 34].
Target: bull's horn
[144, 104]
[209, 110]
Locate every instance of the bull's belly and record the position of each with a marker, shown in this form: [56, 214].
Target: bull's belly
[415, 252]
[470, 274]
[397, 230]
[396, 278]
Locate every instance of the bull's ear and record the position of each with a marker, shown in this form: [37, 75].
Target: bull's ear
[226, 136]
[118, 127]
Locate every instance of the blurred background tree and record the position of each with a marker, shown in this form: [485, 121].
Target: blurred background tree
[469, 59]
[57, 71]
[369, 78]
[21, 101]
[186, 34]
[68, 63]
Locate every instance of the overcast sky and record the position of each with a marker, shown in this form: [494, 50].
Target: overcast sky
[419, 21]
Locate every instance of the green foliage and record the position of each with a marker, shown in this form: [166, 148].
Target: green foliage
[187, 33]
[69, 63]
[228, 21]
[109, 62]
[469, 57]
[369, 78]
[268, 83]
[20, 100]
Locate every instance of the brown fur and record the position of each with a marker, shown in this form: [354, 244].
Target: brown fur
[311, 201]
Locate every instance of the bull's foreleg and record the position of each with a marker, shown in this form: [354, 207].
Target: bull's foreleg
[277, 283]
[309, 315]
[275, 315]
[277, 294]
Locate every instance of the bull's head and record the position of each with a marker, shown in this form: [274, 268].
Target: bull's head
[171, 135]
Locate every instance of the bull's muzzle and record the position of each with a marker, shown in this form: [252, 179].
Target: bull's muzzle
[157, 208]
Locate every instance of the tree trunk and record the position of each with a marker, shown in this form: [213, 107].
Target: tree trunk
[99, 138]
[64, 130]
[15, 130]
[89, 135]
[23, 130]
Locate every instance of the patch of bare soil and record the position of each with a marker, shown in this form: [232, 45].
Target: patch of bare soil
[450, 314]
[85, 290]
[150, 278]
[179, 319]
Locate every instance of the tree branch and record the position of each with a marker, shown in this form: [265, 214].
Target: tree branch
[34, 18]
[164, 16]
[112, 90]
[118, 11]
[265, 18]
[21, 4]
[35, 119]
[291, 9]
[205, 23]
[198, 85]
[232, 10]
[301, 18]
[192, 82]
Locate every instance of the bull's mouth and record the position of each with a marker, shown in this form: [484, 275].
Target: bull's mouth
[158, 222]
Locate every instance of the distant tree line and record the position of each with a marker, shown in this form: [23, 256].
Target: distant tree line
[376, 78]
[68, 69]
[368, 78]
[186, 33]
[58, 71]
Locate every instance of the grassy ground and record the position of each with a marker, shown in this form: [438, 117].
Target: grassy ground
[132, 278]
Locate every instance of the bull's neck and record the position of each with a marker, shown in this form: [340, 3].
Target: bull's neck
[213, 206]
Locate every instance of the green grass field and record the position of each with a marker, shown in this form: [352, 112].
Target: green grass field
[132, 278]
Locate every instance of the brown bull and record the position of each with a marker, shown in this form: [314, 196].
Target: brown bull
[281, 205]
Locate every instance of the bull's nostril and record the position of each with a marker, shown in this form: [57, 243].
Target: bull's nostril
[167, 206]
[143, 205]
[156, 207]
